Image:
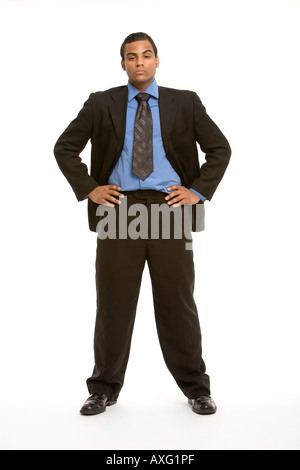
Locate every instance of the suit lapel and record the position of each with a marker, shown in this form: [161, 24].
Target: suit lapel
[167, 111]
[118, 110]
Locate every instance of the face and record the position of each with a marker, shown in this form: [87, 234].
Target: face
[140, 64]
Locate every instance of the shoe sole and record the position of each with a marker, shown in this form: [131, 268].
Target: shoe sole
[96, 412]
[202, 412]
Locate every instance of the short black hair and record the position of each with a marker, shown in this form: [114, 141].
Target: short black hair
[138, 37]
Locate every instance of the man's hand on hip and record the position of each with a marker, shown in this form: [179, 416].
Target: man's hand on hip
[106, 195]
[181, 195]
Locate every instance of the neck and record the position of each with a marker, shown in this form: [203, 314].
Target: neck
[142, 86]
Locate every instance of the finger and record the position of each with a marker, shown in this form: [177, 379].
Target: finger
[178, 204]
[174, 187]
[113, 186]
[173, 194]
[115, 193]
[175, 200]
[112, 199]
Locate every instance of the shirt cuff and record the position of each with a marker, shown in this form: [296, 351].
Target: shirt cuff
[198, 194]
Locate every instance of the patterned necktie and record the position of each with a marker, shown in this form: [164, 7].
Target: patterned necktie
[142, 159]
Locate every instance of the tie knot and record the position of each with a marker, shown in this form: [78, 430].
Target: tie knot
[142, 97]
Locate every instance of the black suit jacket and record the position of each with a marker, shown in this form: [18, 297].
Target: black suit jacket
[184, 122]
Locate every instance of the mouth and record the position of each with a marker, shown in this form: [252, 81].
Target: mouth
[139, 72]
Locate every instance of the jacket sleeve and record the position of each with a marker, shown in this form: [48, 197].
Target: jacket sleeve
[68, 148]
[215, 147]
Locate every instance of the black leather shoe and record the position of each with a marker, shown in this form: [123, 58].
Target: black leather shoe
[96, 404]
[203, 406]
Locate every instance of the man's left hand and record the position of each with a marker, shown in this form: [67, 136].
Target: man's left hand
[181, 195]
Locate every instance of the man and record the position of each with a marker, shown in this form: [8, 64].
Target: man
[144, 150]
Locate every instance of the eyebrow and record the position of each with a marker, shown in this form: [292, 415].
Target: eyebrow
[135, 54]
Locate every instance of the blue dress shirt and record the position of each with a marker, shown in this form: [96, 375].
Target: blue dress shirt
[163, 174]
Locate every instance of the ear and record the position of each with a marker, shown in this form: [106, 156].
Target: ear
[157, 61]
[123, 65]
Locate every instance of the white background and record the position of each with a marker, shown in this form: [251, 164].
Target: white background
[242, 58]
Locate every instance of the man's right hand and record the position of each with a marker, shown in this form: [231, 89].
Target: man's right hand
[105, 195]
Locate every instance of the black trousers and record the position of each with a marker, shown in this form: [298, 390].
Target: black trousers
[120, 263]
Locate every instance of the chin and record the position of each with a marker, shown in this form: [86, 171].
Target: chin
[141, 78]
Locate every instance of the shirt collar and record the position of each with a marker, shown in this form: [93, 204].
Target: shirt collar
[152, 90]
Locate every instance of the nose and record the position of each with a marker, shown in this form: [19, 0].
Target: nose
[140, 61]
